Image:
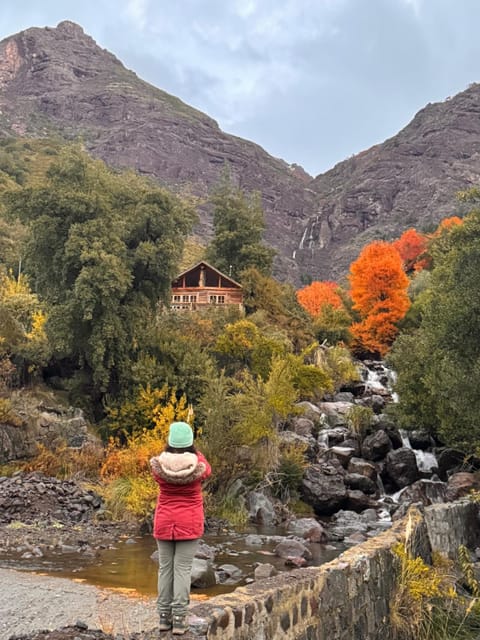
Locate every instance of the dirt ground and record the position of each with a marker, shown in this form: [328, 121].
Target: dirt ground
[31, 602]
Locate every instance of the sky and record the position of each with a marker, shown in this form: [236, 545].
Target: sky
[311, 81]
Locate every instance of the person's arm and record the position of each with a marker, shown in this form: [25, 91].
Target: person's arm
[208, 468]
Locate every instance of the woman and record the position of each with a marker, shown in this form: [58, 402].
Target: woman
[178, 522]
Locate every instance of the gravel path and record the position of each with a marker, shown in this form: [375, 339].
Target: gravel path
[31, 602]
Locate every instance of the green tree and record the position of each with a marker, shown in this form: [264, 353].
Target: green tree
[102, 251]
[238, 222]
[438, 365]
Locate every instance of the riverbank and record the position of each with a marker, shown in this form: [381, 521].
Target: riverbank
[31, 602]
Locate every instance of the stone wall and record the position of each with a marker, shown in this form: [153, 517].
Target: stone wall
[346, 599]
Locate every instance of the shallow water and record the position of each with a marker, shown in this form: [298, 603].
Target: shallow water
[128, 566]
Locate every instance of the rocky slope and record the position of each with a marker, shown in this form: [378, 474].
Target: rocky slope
[59, 81]
[410, 180]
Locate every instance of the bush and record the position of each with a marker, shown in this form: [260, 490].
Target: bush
[359, 419]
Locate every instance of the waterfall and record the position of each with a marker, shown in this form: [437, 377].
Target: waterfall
[300, 246]
[426, 461]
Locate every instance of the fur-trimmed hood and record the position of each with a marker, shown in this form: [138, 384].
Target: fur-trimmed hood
[178, 468]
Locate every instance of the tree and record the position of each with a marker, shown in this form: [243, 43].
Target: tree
[238, 223]
[379, 293]
[411, 246]
[102, 251]
[438, 364]
[315, 296]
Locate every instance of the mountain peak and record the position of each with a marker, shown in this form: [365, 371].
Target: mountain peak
[71, 28]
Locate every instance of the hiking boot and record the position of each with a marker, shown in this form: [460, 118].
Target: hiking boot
[165, 622]
[179, 626]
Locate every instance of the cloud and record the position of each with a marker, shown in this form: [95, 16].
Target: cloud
[137, 10]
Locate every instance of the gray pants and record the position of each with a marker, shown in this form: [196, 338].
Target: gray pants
[175, 559]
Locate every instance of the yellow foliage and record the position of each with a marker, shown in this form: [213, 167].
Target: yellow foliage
[66, 462]
[7, 413]
[37, 331]
[126, 468]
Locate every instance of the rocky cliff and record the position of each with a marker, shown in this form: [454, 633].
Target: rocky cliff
[59, 81]
[410, 180]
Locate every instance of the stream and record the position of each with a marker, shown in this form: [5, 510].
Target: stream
[129, 568]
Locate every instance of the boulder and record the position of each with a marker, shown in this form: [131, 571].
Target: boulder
[376, 446]
[336, 412]
[260, 508]
[344, 523]
[358, 501]
[360, 482]
[420, 439]
[310, 411]
[289, 548]
[203, 575]
[323, 488]
[302, 426]
[342, 454]
[449, 460]
[309, 529]
[423, 491]
[461, 484]
[359, 465]
[401, 467]
[264, 570]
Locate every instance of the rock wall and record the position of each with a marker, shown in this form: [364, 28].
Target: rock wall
[346, 599]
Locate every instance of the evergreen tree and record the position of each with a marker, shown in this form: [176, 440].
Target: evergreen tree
[238, 222]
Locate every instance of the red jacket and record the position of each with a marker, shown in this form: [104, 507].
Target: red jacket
[179, 512]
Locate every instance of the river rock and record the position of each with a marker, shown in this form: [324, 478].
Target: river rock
[336, 412]
[420, 439]
[461, 484]
[344, 523]
[358, 501]
[310, 411]
[228, 574]
[288, 548]
[376, 446]
[449, 460]
[264, 570]
[323, 488]
[260, 508]
[424, 491]
[344, 396]
[203, 575]
[401, 467]
[358, 465]
[360, 482]
[302, 426]
[309, 529]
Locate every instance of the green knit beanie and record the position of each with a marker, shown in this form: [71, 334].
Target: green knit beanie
[180, 435]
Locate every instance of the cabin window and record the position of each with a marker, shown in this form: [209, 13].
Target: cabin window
[215, 299]
[176, 298]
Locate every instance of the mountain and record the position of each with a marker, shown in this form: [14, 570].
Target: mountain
[411, 180]
[59, 82]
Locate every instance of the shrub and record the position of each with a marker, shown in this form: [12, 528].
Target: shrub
[359, 419]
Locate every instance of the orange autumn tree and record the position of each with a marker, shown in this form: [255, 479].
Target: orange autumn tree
[411, 246]
[379, 294]
[318, 294]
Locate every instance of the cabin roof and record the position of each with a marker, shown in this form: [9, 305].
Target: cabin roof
[209, 266]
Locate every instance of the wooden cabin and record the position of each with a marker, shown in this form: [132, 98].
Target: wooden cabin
[202, 286]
